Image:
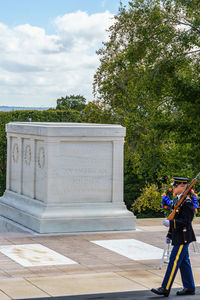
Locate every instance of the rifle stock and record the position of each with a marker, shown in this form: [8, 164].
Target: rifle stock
[172, 215]
[183, 198]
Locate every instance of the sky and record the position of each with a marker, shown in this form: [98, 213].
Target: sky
[48, 48]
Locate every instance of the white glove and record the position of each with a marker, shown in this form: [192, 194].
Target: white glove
[168, 241]
[166, 223]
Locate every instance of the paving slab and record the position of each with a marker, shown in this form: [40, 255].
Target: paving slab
[99, 273]
[3, 296]
[85, 283]
[17, 288]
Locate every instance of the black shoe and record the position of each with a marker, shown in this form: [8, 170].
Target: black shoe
[185, 292]
[160, 291]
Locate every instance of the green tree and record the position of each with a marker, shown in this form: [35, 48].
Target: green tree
[72, 102]
[148, 70]
[97, 112]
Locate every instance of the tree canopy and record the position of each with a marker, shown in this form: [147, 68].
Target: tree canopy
[72, 102]
[149, 77]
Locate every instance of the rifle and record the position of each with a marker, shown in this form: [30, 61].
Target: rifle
[183, 198]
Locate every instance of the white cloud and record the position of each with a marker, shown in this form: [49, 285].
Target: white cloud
[36, 68]
[80, 30]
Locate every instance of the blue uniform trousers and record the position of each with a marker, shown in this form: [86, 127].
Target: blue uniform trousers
[179, 258]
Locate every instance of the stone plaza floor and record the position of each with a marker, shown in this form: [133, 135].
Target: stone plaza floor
[34, 266]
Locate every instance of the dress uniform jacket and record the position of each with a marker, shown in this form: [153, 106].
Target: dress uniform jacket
[180, 229]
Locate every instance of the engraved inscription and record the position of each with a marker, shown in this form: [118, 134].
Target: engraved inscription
[92, 171]
[41, 157]
[86, 170]
[15, 153]
[27, 155]
[80, 184]
[86, 179]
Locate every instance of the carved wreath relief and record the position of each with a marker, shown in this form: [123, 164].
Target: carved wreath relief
[27, 155]
[41, 157]
[15, 153]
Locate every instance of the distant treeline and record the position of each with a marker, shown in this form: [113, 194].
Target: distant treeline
[13, 108]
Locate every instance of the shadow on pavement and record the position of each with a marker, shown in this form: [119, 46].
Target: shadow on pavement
[134, 295]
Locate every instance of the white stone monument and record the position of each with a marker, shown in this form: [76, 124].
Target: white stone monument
[65, 177]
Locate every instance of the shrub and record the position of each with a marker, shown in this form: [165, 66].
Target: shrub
[149, 200]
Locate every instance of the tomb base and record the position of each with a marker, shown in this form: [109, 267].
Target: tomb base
[66, 218]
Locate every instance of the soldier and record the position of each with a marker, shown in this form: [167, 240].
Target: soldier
[181, 234]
